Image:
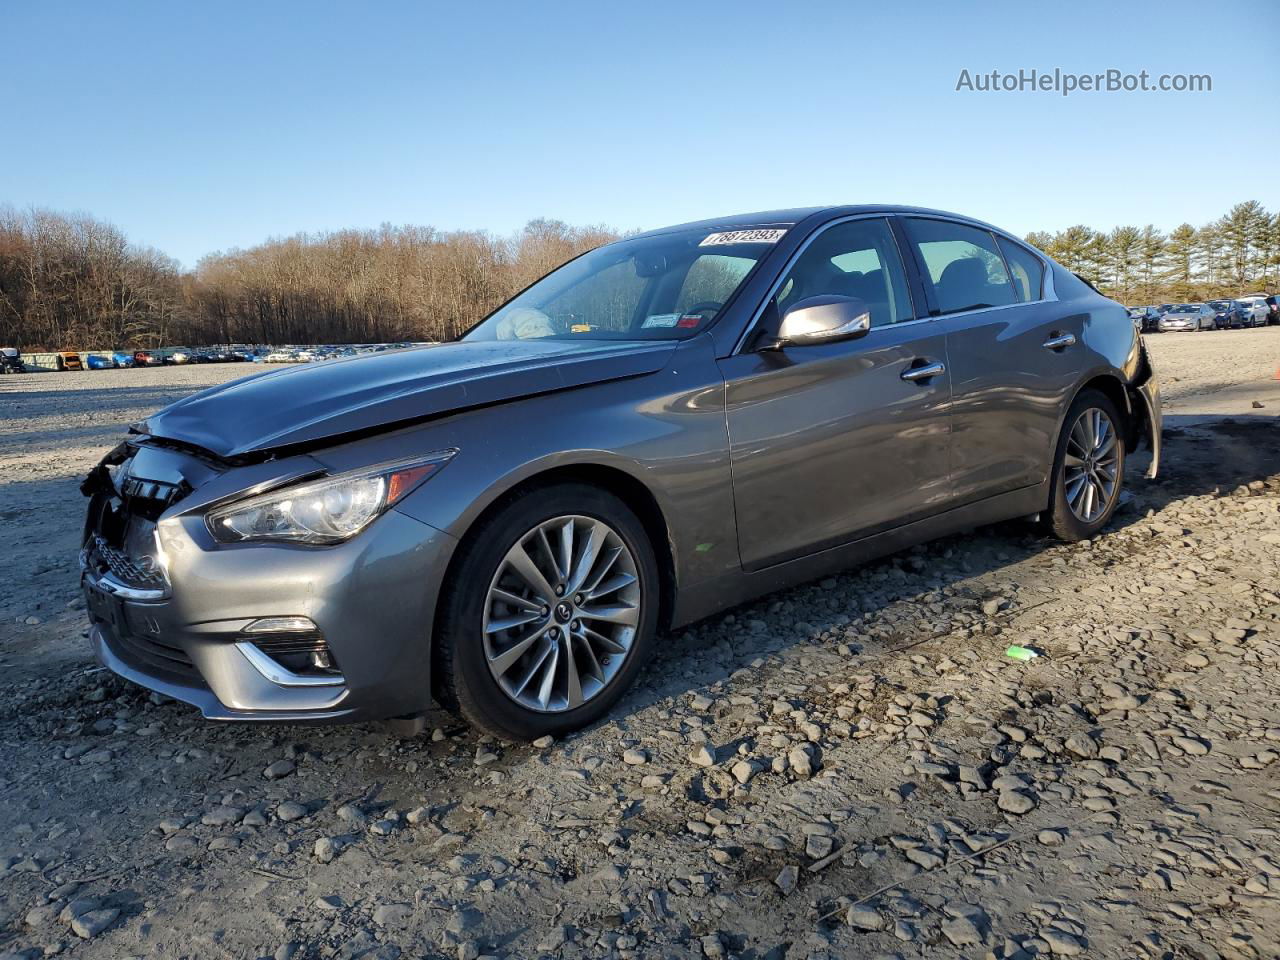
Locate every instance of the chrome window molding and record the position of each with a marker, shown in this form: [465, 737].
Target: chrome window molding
[750, 328]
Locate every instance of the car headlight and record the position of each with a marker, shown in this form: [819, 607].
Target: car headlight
[323, 511]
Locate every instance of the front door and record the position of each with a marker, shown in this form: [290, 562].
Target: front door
[831, 442]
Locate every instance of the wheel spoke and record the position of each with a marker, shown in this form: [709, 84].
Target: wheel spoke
[566, 549]
[609, 646]
[1107, 443]
[520, 561]
[593, 668]
[1080, 437]
[603, 568]
[587, 555]
[497, 593]
[1075, 487]
[573, 682]
[507, 659]
[612, 585]
[550, 554]
[535, 668]
[549, 677]
[510, 623]
[1073, 462]
[1086, 432]
[613, 613]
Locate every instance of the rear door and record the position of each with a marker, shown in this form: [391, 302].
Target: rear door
[1013, 353]
[830, 442]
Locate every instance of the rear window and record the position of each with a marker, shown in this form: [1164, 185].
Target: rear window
[963, 263]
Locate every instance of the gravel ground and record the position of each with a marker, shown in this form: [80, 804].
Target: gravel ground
[849, 769]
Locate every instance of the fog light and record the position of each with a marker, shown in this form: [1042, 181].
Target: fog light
[282, 625]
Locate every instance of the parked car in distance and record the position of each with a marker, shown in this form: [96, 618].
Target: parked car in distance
[11, 361]
[1255, 309]
[99, 361]
[664, 427]
[177, 355]
[1273, 310]
[122, 358]
[143, 358]
[1226, 313]
[278, 356]
[1146, 319]
[1189, 316]
[68, 360]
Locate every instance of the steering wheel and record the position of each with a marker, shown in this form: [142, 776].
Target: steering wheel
[703, 306]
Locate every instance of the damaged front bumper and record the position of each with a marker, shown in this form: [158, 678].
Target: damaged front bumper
[276, 632]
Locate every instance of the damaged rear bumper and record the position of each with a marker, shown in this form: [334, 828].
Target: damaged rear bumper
[1144, 403]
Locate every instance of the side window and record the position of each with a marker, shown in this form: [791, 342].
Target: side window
[854, 259]
[963, 264]
[1027, 270]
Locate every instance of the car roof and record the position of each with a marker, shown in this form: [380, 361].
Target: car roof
[795, 215]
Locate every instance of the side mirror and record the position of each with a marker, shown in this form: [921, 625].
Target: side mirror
[824, 319]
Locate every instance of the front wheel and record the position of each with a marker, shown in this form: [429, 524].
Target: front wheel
[549, 613]
[1088, 468]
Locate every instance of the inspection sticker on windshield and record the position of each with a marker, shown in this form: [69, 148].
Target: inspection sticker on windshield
[770, 235]
[658, 320]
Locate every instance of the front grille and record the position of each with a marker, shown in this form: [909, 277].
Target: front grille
[134, 572]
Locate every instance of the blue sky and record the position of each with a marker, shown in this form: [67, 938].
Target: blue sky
[200, 127]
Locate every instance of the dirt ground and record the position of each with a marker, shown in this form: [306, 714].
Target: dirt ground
[849, 769]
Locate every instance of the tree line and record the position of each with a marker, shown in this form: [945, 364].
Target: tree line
[75, 282]
[1239, 253]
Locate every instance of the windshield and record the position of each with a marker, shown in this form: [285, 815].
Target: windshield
[1186, 308]
[1220, 304]
[663, 287]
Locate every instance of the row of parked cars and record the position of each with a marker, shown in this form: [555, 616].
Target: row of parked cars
[1252, 310]
[11, 358]
[328, 352]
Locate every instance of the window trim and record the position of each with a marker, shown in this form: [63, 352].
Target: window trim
[749, 330]
[1048, 291]
[1004, 256]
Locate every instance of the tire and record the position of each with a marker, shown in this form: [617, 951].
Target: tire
[464, 648]
[1067, 519]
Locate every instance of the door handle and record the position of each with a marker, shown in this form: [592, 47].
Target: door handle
[924, 372]
[1060, 341]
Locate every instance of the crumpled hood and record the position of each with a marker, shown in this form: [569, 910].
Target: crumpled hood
[333, 398]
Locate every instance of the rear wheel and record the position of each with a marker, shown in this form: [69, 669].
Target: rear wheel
[1088, 469]
[549, 614]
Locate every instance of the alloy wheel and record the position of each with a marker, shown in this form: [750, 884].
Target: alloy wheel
[1091, 465]
[561, 613]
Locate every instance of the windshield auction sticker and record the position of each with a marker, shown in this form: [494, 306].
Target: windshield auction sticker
[770, 235]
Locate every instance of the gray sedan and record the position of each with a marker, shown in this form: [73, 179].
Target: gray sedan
[1189, 316]
[660, 429]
